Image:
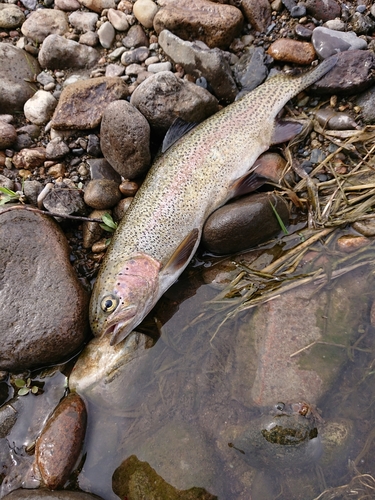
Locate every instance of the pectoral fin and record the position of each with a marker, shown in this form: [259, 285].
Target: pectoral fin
[284, 131]
[182, 255]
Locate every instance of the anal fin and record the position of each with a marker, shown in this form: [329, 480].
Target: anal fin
[247, 184]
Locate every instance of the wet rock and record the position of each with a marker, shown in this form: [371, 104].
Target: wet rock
[125, 139]
[42, 494]
[335, 120]
[56, 149]
[102, 194]
[244, 223]
[29, 158]
[59, 445]
[44, 22]
[328, 41]
[198, 61]
[121, 208]
[145, 11]
[64, 201]
[164, 97]
[8, 135]
[214, 24]
[91, 231]
[128, 188]
[136, 37]
[82, 104]
[257, 13]
[250, 71]
[118, 20]
[365, 227]
[294, 51]
[101, 169]
[303, 32]
[106, 34]
[353, 73]
[323, 10]
[58, 52]
[17, 70]
[11, 16]
[98, 5]
[44, 313]
[84, 21]
[8, 417]
[350, 243]
[137, 480]
[40, 107]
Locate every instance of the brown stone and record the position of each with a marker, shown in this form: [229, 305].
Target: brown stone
[323, 10]
[258, 13]
[82, 104]
[59, 445]
[214, 24]
[29, 158]
[292, 51]
[350, 243]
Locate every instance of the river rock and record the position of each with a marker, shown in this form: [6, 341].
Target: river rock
[135, 37]
[145, 11]
[82, 104]
[16, 71]
[56, 149]
[125, 139]
[98, 5]
[84, 21]
[257, 13]
[67, 5]
[118, 20]
[244, 223]
[328, 41]
[42, 494]
[367, 102]
[102, 193]
[8, 135]
[40, 107]
[250, 71]
[106, 33]
[137, 480]
[323, 10]
[29, 158]
[163, 97]
[91, 231]
[101, 169]
[44, 313]
[353, 73]
[58, 52]
[212, 64]
[11, 16]
[59, 445]
[64, 201]
[214, 24]
[44, 22]
[294, 51]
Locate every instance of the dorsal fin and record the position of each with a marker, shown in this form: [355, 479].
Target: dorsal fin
[178, 129]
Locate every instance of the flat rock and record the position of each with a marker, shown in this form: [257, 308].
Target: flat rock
[244, 223]
[328, 41]
[44, 315]
[58, 52]
[294, 51]
[212, 64]
[82, 104]
[11, 16]
[59, 445]
[44, 22]
[16, 70]
[214, 24]
[125, 139]
[353, 73]
[163, 97]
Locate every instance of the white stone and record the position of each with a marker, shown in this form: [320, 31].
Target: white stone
[118, 19]
[11, 16]
[145, 11]
[106, 34]
[84, 21]
[40, 107]
[161, 66]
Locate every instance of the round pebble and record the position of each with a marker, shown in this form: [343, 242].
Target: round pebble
[102, 193]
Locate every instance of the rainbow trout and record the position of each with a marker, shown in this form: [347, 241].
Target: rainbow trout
[161, 230]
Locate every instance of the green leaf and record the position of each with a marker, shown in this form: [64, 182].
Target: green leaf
[108, 221]
[279, 219]
[106, 228]
[8, 192]
[19, 382]
[23, 391]
[34, 389]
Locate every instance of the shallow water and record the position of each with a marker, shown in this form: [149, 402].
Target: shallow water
[195, 404]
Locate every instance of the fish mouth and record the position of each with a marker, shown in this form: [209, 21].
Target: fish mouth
[121, 325]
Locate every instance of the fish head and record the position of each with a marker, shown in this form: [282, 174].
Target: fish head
[123, 295]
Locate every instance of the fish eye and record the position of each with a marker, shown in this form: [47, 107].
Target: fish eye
[109, 303]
